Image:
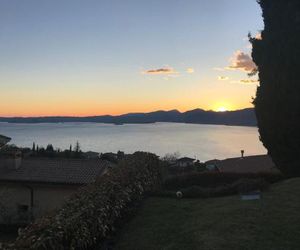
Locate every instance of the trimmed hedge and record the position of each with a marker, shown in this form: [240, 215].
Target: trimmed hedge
[214, 179]
[92, 213]
[240, 186]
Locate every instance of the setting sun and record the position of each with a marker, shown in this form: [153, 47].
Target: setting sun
[222, 109]
[223, 106]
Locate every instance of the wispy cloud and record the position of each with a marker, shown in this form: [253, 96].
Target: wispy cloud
[190, 70]
[249, 81]
[223, 78]
[241, 61]
[161, 71]
[246, 81]
[218, 69]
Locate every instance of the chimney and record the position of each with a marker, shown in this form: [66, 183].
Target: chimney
[242, 154]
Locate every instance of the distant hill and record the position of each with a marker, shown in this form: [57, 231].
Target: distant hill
[244, 117]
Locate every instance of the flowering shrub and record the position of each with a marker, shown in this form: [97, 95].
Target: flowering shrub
[93, 212]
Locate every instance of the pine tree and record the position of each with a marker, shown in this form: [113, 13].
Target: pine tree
[77, 147]
[277, 102]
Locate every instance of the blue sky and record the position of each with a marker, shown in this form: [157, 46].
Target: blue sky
[92, 57]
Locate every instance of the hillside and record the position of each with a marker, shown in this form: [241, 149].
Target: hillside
[228, 223]
[244, 117]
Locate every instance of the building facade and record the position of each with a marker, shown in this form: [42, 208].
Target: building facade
[31, 188]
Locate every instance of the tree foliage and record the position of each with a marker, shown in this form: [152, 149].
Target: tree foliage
[277, 102]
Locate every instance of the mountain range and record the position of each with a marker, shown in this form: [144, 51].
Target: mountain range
[243, 117]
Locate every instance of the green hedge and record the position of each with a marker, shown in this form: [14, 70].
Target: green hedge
[214, 179]
[240, 186]
[92, 213]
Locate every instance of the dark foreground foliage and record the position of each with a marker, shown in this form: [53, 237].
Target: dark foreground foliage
[215, 179]
[277, 102]
[240, 186]
[92, 214]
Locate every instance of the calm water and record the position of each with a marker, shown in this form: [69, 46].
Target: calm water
[204, 142]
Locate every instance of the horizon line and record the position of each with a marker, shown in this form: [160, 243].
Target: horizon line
[87, 116]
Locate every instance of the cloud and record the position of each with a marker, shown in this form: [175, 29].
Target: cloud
[223, 78]
[249, 46]
[218, 69]
[242, 61]
[190, 70]
[161, 71]
[258, 36]
[246, 81]
[249, 81]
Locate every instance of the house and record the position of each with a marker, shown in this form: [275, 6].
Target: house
[185, 162]
[4, 140]
[212, 165]
[245, 164]
[91, 155]
[112, 157]
[33, 187]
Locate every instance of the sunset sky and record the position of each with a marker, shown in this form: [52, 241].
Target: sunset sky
[95, 57]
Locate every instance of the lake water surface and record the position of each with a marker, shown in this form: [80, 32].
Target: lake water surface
[204, 142]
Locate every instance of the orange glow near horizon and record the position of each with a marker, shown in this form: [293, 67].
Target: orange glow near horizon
[81, 102]
[81, 111]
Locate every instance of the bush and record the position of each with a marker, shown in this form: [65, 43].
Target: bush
[214, 179]
[248, 185]
[178, 170]
[92, 214]
[240, 186]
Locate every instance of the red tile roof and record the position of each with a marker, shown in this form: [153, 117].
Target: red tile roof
[4, 140]
[63, 171]
[248, 164]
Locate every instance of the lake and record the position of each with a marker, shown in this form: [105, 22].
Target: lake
[203, 142]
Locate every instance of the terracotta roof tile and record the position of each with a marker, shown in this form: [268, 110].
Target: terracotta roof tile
[249, 164]
[64, 171]
[4, 140]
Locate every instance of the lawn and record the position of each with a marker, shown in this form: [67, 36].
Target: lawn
[272, 223]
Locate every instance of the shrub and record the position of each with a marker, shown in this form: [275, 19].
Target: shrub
[248, 185]
[214, 179]
[178, 170]
[92, 213]
[240, 186]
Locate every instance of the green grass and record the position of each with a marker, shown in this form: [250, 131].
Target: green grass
[272, 223]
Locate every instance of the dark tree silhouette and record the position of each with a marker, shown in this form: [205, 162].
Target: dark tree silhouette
[277, 102]
[50, 148]
[77, 150]
[77, 147]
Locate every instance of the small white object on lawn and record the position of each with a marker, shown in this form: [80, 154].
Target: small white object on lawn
[179, 194]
